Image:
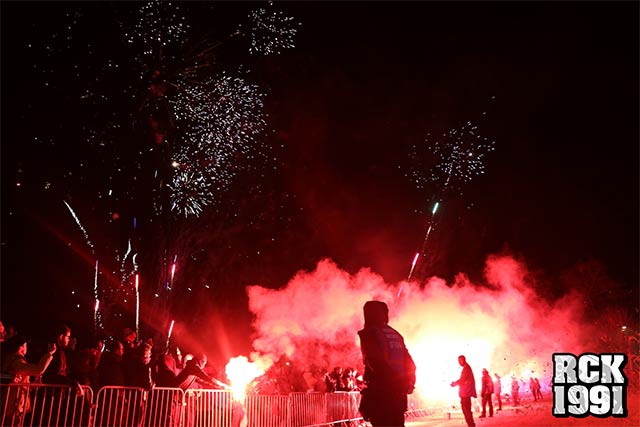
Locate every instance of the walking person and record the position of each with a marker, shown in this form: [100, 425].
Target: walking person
[538, 392]
[389, 370]
[467, 390]
[486, 392]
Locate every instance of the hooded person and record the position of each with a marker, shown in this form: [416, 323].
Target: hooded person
[389, 370]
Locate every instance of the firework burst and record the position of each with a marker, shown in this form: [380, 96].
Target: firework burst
[220, 122]
[455, 159]
[271, 31]
[168, 125]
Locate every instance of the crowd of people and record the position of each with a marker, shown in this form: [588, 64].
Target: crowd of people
[126, 361]
[129, 361]
[489, 388]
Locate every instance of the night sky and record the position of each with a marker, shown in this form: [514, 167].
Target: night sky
[365, 83]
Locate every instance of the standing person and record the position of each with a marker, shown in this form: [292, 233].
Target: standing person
[110, 367]
[389, 371]
[515, 391]
[3, 332]
[497, 387]
[486, 392]
[538, 392]
[467, 390]
[138, 372]
[167, 368]
[58, 370]
[532, 389]
[15, 367]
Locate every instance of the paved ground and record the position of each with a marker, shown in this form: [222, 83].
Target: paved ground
[531, 415]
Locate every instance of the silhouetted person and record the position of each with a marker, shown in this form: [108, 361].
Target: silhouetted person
[497, 389]
[58, 370]
[16, 402]
[335, 380]
[138, 372]
[486, 392]
[467, 390]
[193, 373]
[538, 392]
[167, 368]
[515, 391]
[110, 366]
[389, 371]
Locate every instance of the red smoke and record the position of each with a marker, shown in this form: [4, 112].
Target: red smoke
[501, 325]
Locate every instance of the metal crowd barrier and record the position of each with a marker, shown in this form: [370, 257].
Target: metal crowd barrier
[265, 410]
[208, 408]
[44, 405]
[306, 409]
[30, 405]
[119, 406]
[165, 407]
[343, 406]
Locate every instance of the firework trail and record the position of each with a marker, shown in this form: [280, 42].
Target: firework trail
[201, 121]
[459, 158]
[97, 321]
[84, 231]
[169, 335]
[171, 123]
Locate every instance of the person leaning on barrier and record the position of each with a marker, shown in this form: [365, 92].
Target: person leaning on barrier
[389, 370]
[14, 362]
[58, 370]
[193, 373]
[16, 370]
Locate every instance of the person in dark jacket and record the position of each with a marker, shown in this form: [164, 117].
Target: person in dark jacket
[193, 375]
[389, 370]
[167, 368]
[467, 390]
[110, 366]
[486, 392]
[138, 372]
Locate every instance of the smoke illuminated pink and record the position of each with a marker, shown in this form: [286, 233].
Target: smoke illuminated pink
[501, 325]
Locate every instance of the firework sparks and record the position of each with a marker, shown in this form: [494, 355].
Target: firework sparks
[137, 306]
[457, 158]
[221, 119]
[158, 24]
[77, 220]
[169, 333]
[271, 32]
[201, 123]
[460, 155]
[96, 316]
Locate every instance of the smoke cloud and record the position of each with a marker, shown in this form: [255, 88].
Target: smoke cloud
[502, 325]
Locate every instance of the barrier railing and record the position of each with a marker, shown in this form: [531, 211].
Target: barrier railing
[343, 406]
[267, 410]
[164, 407]
[208, 408]
[44, 405]
[306, 409]
[30, 405]
[119, 406]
